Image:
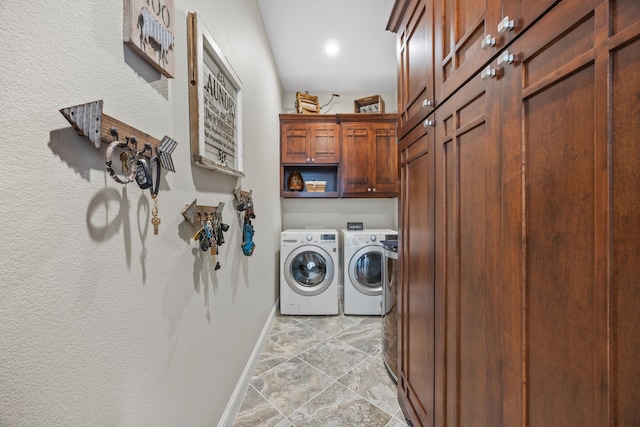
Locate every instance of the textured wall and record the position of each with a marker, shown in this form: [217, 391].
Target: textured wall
[102, 322]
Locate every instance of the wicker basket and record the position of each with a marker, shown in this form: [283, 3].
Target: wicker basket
[316, 186]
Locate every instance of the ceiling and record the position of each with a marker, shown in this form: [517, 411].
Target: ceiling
[298, 31]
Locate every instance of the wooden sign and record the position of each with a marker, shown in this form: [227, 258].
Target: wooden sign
[215, 103]
[149, 30]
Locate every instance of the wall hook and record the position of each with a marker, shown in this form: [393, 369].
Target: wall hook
[88, 120]
[203, 213]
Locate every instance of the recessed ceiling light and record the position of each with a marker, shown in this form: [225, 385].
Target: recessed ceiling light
[332, 48]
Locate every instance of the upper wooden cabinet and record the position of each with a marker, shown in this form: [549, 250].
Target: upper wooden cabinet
[309, 139]
[468, 34]
[442, 44]
[369, 155]
[415, 63]
[355, 154]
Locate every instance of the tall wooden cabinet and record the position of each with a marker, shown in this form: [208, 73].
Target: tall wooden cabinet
[416, 301]
[526, 266]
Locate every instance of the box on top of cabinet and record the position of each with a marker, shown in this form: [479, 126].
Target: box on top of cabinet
[370, 104]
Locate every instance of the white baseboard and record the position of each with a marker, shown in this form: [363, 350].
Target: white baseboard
[234, 403]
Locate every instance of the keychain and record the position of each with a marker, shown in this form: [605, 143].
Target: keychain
[154, 188]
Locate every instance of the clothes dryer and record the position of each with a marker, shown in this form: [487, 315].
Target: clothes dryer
[309, 272]
[362, 261]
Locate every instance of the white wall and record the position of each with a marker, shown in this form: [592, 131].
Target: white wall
[335, 213]
[102, 322]
[341, 104]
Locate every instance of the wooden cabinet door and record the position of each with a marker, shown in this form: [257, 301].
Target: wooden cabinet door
[384, 173]
[458, 36]
[415, 65]
[523, 13]
[357, 157]
[469, 291]
[309, 139]
[622, 49]
[416, 301]
[467, 36]
[324, 143]
[571, 267]
[294, 144]
[369, 162]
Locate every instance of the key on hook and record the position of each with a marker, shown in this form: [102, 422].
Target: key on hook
[124, 158]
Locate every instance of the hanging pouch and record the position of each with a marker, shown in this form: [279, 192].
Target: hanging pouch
[247, 239]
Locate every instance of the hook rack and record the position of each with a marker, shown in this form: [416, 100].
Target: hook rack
[243, 201]
[242, 196]
[88, 120]
[195, 214]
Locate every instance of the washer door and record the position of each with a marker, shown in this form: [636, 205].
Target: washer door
[309, 270]
[365, 270]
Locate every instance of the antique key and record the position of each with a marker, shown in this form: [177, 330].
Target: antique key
[124, 158]
[154, 212]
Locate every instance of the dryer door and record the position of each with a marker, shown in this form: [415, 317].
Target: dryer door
[309, 270]
[365, 270]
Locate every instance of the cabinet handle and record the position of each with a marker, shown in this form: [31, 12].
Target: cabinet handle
[429, 123]
[506, 25]
[428, 103]
[505, 58]
[488, 41]
[488, 73]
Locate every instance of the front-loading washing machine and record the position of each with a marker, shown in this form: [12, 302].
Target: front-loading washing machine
[363, 280]
[309, 271]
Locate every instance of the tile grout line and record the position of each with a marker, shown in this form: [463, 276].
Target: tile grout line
[371, 357]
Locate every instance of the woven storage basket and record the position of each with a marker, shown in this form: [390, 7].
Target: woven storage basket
[316, 186]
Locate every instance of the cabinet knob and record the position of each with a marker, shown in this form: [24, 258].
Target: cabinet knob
[506, 25]
[505, 58]
[429, 123]
[374, 189]
[308, 160]
[313, 159]
[488, 73]
[428, 103]
[368, 189]
[488, 41]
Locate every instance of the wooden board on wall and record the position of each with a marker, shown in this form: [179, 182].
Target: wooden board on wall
[149, 30]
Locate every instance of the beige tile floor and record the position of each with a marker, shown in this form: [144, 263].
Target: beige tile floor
[321, 371]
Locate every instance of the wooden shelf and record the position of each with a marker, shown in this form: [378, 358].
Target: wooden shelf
[328, 173]
[309, 195]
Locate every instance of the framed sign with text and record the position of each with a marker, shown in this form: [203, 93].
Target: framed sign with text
[215, 103]
[149, 31]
